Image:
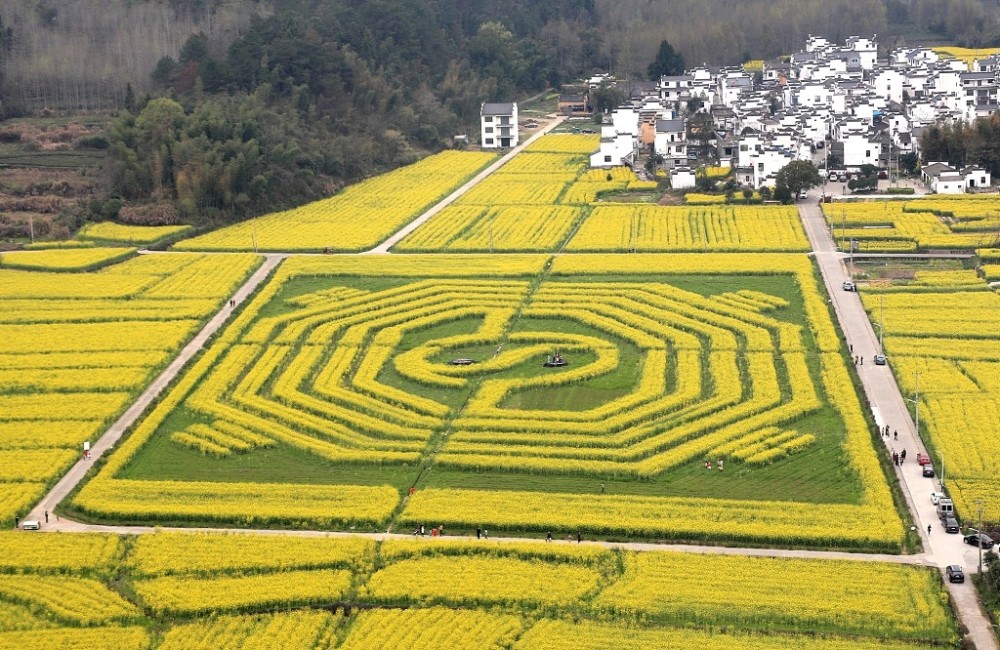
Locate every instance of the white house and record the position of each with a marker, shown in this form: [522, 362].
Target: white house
[861, 149]
[670, 141]
[682, 178]
[942, 178]
[617, 148]
[499, 125]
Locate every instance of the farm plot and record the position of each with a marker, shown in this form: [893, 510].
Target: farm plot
[927, 223]
[946, 338]
[651, 228]
[355, 219]
[340, 375]
[76, 347]
[530, 204]
[519, 595]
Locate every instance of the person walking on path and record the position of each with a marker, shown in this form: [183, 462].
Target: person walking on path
[928, 529]
[602, 488]
[46, 516]
[895, 459]
[895, 435]
[548, 536]
[578, 537]
[902, 456]
[862, 360]
[479, 533]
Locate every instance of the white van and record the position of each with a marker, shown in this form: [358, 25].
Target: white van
[31, 524]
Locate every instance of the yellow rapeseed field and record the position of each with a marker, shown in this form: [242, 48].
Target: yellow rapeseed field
[357, 218]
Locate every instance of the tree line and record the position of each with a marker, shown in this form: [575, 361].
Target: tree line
[964, 143]
[322, 93]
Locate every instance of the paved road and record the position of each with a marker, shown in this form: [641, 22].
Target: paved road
[384, 247]
[75, 475]
[889, 408]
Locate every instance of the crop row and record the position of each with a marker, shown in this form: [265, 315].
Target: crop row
[503, 591]
[948, 342]
[356, 218]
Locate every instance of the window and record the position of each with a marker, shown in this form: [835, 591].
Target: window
[488, 118]
[489, 129]
[868, 153]
[489, 140]
[607, 158]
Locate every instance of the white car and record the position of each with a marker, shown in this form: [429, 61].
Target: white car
[849, 286]
[937, 496]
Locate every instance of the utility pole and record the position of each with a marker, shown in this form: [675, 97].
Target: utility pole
[881, 323]
[979, 543]
[843, 228]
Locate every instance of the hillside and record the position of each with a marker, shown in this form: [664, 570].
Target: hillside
[233, 109]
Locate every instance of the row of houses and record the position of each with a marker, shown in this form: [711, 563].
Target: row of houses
[836, 99]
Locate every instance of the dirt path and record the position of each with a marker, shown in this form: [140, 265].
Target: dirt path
[889, 408]
[384, 247]
[642, 547]
[75, 475]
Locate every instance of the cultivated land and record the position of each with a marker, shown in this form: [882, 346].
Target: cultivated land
[329, 393]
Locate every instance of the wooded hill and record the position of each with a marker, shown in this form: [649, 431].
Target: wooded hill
[270, 103]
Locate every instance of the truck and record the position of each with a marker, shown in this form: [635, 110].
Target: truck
[945, 509]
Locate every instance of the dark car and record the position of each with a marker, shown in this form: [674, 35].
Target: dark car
[929, 471]
[951, 525]
[955, 573]
[880, 359]
[981, 539]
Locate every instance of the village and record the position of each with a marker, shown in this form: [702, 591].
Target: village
[838, 105]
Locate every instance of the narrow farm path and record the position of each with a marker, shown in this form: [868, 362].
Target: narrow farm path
[68, 526]
[889, 408]
[75, 475]
[384, 247]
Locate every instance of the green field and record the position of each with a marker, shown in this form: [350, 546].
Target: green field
[341, 373]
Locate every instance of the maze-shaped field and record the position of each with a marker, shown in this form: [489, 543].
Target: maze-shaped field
[359, 372]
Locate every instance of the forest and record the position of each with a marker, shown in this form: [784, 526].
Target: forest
[230, 108]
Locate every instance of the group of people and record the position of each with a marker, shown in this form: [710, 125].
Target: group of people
[569, 537]
[898, 457]
[885, 433]
[718, 464]
[435, 532]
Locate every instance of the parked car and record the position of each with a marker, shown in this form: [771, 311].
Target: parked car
[928, 471]
[880, 360]
[849, 286]
[981, 539]
[842, 178]
[955, 573]
[923, 459]
[833, 176]
[803, 194]
[937, 496]
[951, 526]
[30, 524]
